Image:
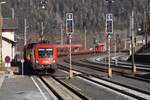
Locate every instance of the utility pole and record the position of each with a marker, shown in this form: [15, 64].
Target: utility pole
[85, 31]
[125, 44]
[42, 27]
[132, 39]
[25, 31]
[146, 19]
[61, 34]
[115, 47]
[145, 27]
[25, 43]
[13, 13]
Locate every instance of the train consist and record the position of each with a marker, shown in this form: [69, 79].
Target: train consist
[41, 56]
[78, 49]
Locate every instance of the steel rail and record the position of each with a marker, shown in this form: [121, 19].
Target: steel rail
[67, 87]
[85, 74]
[117, 72]
[55, 93]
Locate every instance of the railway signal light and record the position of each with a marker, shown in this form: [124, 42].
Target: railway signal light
[43, 4]
[109, 24]
[70, 31]
[109, 31]
[69, 23]
[95, 41]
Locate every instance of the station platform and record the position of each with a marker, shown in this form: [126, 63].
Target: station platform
[22, 88]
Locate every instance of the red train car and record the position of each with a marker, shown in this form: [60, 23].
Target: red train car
[99, 47]
[42, 56]
[64, 49]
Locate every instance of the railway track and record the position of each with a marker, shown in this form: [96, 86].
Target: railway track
[133, 92]
[123, 64]
[95, 66]
[99, 67]
[62, 90]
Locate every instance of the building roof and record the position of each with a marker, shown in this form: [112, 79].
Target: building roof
[9, 24]
[9, 41]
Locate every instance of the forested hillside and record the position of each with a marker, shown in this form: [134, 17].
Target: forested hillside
[87, 13]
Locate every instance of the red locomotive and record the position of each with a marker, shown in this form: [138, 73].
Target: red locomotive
[41, 56]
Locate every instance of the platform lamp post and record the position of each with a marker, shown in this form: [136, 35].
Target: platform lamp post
[1, 25]
[70, 31]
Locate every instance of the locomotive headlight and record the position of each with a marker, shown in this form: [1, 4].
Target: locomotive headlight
[37, 61]
[53, 61]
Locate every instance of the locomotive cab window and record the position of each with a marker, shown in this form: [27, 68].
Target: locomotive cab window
[45, 52]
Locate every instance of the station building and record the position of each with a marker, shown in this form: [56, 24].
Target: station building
[8, 41]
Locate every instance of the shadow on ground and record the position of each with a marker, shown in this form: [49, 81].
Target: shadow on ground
[146, 76]
[25, 69]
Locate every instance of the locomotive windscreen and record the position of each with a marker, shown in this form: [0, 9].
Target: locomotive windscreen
[45, 52]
